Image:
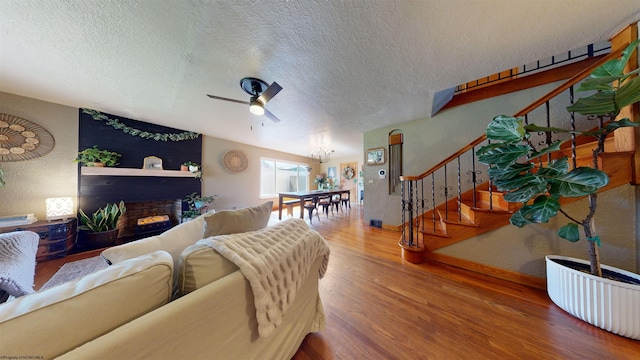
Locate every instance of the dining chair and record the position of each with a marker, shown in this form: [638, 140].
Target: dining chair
[325, 202]
[335, 202]
[311, 205]
[345, 198]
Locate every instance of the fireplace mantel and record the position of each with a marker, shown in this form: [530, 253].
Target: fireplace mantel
[113, 171]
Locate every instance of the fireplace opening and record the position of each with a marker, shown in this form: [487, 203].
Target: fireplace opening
[148, 218]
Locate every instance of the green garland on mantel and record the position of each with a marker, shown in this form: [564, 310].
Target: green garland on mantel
[116, 124]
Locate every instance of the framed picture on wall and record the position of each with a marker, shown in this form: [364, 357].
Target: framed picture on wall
[375, 156]
[331, 172]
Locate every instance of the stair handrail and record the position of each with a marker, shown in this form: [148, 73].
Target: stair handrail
[553, 93]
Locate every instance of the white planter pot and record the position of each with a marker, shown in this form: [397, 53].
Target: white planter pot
[607, 304]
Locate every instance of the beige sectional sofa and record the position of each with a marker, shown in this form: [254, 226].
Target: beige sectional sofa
[174, 296]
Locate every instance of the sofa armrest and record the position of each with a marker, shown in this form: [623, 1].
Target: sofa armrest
[54, 321]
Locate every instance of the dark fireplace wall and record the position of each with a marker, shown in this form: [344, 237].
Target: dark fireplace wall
[95, 191]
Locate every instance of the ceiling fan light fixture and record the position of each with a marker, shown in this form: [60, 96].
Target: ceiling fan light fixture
[256, 107]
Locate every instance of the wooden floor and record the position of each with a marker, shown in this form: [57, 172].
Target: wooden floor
[379, 307]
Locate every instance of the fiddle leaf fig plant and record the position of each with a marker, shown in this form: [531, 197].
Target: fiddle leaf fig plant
[539, 177]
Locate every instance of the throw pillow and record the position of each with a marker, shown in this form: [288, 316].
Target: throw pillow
[238, 221]
[18, 262]
[172, 241]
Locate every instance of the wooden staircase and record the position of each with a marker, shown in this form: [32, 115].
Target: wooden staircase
[458, 220]
[437, 213]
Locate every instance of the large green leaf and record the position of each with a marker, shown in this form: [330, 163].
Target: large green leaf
[551, 148]
[506, 128]
[569, 232]
[543, 208]
[600, 103]
[518, 220]
[597, 83]
[505, 155]
[517, 182]
[611, 127]
[555, 168]
[580, 181]
[536, 128]
[509, 172]
[488, 147]
[536, 186]
[615, 67]
[629, 93]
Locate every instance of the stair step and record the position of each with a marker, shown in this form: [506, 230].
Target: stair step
[494, 200]
[437, 233]
[428, 226]
[452, 217]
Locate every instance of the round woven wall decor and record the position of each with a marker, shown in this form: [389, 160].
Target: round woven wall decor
[21, 139]
[235, 161]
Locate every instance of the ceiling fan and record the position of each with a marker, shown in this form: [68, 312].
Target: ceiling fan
[260, 92]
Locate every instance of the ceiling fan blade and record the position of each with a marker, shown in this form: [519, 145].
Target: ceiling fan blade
[227, 99]
[269, 93]
[273, 118]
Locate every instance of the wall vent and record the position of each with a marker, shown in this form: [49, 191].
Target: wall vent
[375, 223]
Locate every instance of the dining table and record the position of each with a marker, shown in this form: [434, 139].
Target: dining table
[303, 196]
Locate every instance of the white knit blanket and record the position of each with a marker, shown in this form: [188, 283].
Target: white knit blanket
[18, 262]
[276, 261]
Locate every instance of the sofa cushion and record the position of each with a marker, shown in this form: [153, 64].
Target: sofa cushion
[172, 241]
[17, 262]
[66, 316]
[238, 221]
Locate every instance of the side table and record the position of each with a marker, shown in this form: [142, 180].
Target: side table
[57, 238]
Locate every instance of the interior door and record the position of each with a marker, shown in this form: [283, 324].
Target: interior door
[349, 179]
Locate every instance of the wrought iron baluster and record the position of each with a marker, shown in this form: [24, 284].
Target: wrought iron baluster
[548, 133]
[473, 174]
[490, 187]
[573, 127]
[445, 189]
[433, 201]
[474, 177]
[404, 211]
[422, 210]
[411, 213]
[459, 209]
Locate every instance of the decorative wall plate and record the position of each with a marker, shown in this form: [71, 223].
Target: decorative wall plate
[21, 139]
[235, 161]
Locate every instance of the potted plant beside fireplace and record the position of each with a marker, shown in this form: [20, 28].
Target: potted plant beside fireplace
[196, 204]
[102, 225]
[521, 170]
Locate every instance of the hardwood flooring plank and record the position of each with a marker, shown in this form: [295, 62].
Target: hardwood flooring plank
[379, 307]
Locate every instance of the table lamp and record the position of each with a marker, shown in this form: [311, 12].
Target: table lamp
[59, 208]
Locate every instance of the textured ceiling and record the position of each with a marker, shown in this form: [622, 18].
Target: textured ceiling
[346, 66]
